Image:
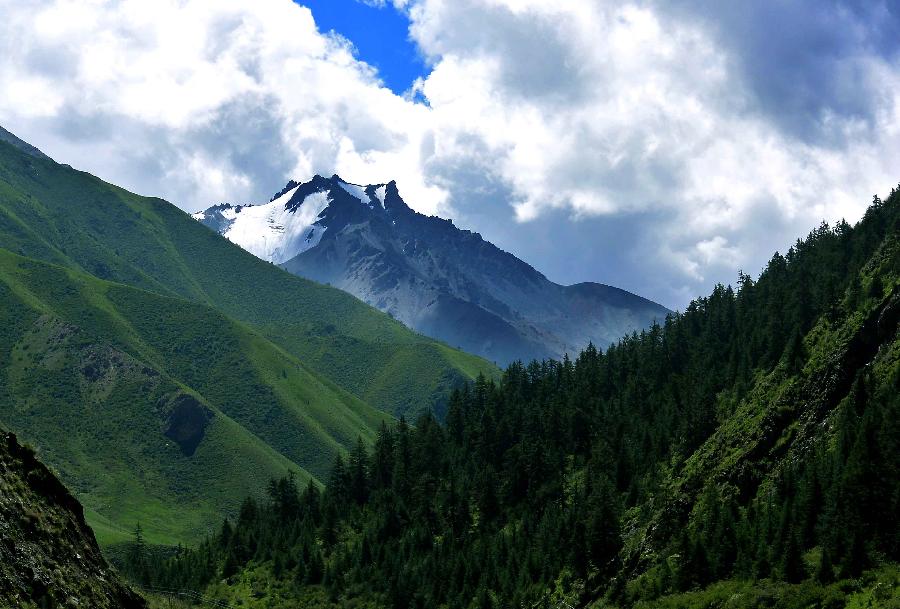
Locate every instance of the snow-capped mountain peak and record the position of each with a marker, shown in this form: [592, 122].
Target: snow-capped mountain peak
[442, 281]
[373, 196]
[275, 231]
[296, 217]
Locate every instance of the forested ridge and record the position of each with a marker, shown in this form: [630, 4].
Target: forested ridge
[744, 453]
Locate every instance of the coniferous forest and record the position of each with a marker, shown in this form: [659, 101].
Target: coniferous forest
[744, 453]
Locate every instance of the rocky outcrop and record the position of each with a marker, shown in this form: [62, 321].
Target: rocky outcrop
[48, 554]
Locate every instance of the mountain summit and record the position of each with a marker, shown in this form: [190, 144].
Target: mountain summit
[440, 280]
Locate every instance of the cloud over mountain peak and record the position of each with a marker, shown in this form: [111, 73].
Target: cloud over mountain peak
[673, 125]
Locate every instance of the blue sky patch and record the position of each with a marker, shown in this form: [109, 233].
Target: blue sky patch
[381, 37]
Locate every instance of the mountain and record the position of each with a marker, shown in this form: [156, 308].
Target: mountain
[48, 554]
[9, 138]
[156, 409]
[53, 213]
[745, 454]
[166, 373]
[437, 279]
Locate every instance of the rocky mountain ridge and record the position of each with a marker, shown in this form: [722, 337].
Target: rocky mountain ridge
[438, 279]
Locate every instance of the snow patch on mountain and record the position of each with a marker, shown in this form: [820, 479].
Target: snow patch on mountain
[355, 191]
[380, 193]
[273, 232]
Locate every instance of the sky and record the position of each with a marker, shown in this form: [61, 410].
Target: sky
[657, 146]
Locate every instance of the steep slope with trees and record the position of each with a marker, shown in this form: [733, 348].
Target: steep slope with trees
[743, 454]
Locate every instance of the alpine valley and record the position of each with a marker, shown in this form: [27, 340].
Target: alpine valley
[181, 416]
[437, 279]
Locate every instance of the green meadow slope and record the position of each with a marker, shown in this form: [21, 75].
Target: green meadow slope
[54, 213]
[156, 409]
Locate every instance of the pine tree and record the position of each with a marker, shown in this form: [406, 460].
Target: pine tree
[225, 534]
[792, 568]
[825, 570]
[794, 353]
[339, 482]
[383, 459]
[602, 532]
[359, 473]
[138, 559]
[876, 287]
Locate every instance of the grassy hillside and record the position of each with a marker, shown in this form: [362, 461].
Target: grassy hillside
[53, 213]
[156, 409]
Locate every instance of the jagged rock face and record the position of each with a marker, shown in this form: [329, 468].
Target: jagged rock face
[440, 280]
[48, 554]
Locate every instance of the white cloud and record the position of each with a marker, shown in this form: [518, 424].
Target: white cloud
[595, 109]
[615, 108]
[179, 77]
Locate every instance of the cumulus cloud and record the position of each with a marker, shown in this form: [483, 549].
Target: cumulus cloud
[582, 105]
[659, 146]
[612, 108]
[202, 101]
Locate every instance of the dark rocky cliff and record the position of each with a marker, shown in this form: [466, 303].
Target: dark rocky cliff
[48, 554]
